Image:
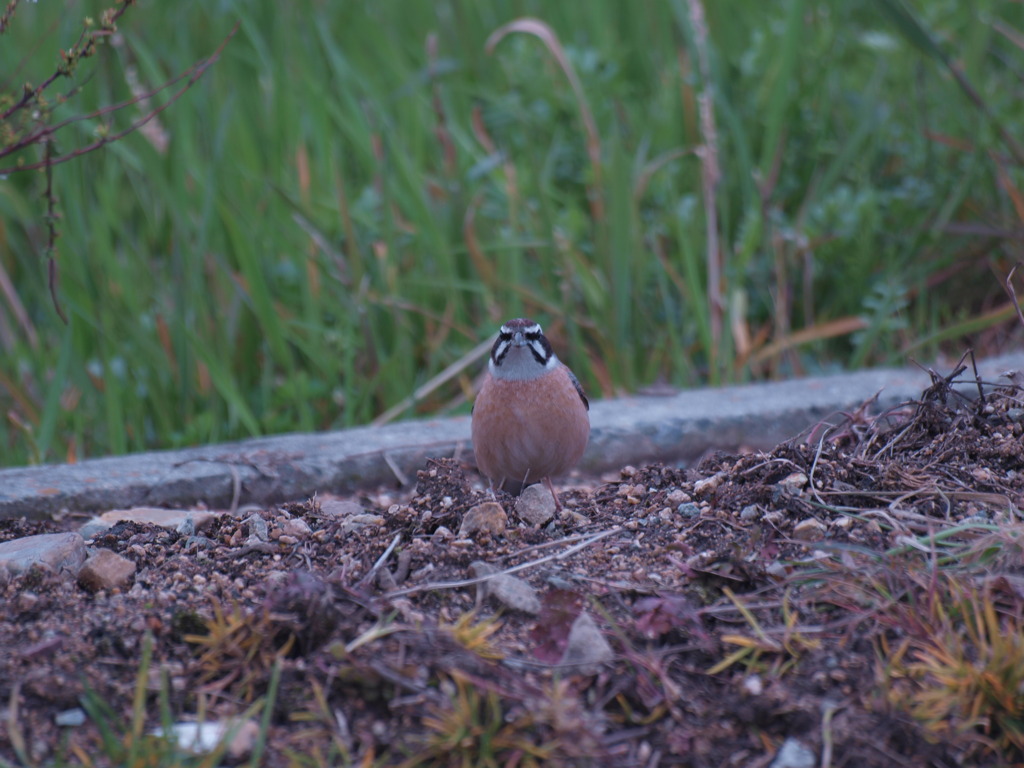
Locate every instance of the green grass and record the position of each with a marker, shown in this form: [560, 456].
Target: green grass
[329, 226]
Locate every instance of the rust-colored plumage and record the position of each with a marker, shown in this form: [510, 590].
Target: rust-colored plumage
[530, 420]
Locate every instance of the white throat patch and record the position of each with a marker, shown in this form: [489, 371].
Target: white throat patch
[520, 364]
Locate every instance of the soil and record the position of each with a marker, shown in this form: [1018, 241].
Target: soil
[752, 605]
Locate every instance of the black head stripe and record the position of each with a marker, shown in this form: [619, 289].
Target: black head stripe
[537, 342]
[539, 346]
[502, 345]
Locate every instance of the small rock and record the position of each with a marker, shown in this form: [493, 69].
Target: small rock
[572, 517]
[843, 522]
[535, 505]
[105, 570]
[688, 509]
[794, 754]
[361, 521]
[508, 590]
[809, 530]
[57, 551]
[203, 738]
[794, 481]
[337, 508]
[708, 484]
[258, 531]
[1015, 414]
[586, 647]
[678, 497]
[749, 512]
[296, 527]
[165, 518]
[488, 517]
[441, 534]
[70, 718]
[753, 685]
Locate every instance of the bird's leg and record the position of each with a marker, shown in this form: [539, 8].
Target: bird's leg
[558, 504]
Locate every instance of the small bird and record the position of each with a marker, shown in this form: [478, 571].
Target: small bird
[530, 421]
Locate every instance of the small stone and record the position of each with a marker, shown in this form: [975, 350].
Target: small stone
[337, 508]
[296, 528]
[488, 517]
[105, 570]
[1016, 415]
[361, 521]
[586, 647]
[508, 590]
[774, 517]
[794, 481]
[689, 509]
[70, 718]
[535, 505]
[982, 475]
[572, 517]
[843, 522]
[258, 531]
[749, 512]
[165, 518]
[809, 530]
[708, 484]
[678, 497]
[753, 685]
[794, 754]
[58, 551]
[441, 534]
[203, 738]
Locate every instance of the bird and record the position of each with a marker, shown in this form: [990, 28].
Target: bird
[530, 421]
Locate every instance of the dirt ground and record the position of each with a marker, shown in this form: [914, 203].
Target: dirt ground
[840, 601]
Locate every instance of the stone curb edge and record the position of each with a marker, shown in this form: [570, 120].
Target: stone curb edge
[630, 430]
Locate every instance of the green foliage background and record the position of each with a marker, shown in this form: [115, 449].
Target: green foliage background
[356, 194]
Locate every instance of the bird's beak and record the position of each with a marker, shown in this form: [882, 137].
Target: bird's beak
[518, 340]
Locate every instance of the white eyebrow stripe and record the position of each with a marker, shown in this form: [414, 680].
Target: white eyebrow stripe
[526, 330]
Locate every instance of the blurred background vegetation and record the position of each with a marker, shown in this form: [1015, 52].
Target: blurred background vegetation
[352, 199]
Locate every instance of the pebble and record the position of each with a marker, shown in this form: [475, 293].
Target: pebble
[360, 521]
[441, 534]
[708, 484]
[809, 530]
[678, 497]
[535, 505]
[688, 509]
[337, 508]
[507, 590]
[70, 718]
[165, 518]
[586, 647]
[203, 738]
[296, 527]
[105, 570]
[58, 551]
[794, 754]
[488, 517]
[794, 481]
[749, 512]
[753, 685]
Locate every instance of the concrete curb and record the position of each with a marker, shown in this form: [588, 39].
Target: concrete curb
[630, 430]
